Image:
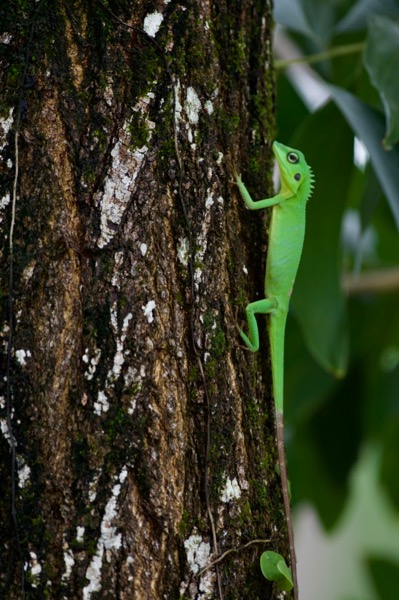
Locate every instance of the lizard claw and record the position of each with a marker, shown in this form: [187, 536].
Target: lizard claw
[236, 175]
[235, 319]
[239, 329]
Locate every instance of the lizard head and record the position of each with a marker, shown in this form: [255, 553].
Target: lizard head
[294, 171]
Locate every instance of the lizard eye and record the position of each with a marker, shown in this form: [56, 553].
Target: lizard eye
[292, 157]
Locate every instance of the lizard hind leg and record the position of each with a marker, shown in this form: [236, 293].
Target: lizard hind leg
[262, 307]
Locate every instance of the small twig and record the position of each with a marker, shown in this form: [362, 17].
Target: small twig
[286, 498]
[238, 549]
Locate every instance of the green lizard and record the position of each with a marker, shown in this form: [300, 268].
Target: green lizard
[286, 236]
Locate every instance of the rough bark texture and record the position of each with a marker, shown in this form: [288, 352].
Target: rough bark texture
[135, 412]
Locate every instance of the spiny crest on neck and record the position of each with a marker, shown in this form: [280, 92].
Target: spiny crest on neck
[311, 178]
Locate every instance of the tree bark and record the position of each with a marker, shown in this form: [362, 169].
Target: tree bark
[137, 435]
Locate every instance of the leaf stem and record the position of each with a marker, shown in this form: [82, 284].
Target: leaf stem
[320, 56]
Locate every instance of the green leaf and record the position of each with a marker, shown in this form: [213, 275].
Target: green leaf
[371, 197]
[389, 462]
[356, 17]
[319, 466]
[291, 108]
[318, 300]
[368, 125]
[290, 13]
[274, 568]
[306, 383]
[382, 63]
[385, 575]
[311, 483]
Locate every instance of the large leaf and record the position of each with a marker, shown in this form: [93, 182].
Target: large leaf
[312, 483]
[356, 18]
[291, 108]
[382, 62]
[371, 197]
[318, 301]
[389, 463]
[385, 575]
[290, 13]
[306, 384]
[368, 125]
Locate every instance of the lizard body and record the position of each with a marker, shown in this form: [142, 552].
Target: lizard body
[286, 237]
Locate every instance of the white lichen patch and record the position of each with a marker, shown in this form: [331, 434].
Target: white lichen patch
[178, 107]
[35, 568]
[102, 404]
[120, 336]
[198, 553]
[109, 536]
[209, 107]
[109, 94]
[29, 270]
[206, 586]
[93, 574]
[123, 475]
[93, 488]
[231, 490]
[152, 23]
[148, 310]
[7, 433]
[119, 184]
[142, 105]
[117, 276]
[109, 541]
[202, 241]
[5, 38]
[5, 126]
[69, 564]
[129, 562]
[192, 105]
[80, 534]
[122, 174]
[132, 379]
[22, 355]
[5, 200]
[198, 556]
[91, 362]
[209, 201]
[23, 475]
[143, 249]
[183, 251]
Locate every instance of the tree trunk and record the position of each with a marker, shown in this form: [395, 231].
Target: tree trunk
[137, 435]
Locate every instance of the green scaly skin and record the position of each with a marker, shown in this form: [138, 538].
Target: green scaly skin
[286, 236]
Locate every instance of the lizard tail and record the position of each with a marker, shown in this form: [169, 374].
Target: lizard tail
[276, 336]
[286, 498]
